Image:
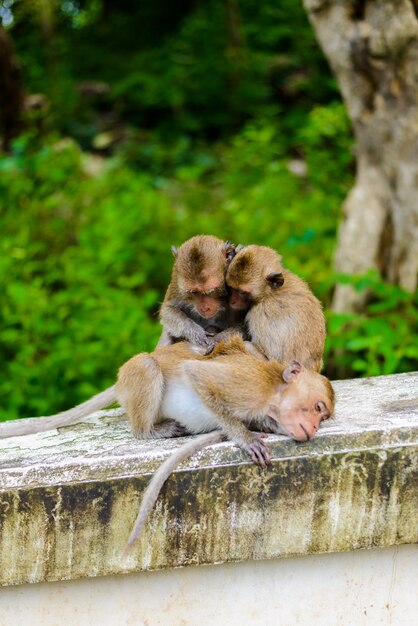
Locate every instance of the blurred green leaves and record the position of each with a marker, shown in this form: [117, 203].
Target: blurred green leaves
[383, 339]
[200, 122]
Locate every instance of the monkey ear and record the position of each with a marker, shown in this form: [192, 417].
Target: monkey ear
[174, 250]
[229, 250]
[292, 371]
[275, 280]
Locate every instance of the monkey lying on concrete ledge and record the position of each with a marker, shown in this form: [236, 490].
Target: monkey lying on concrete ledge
[178, 390]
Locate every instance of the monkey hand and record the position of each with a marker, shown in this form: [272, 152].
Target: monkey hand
[258, 449]
[200, 338]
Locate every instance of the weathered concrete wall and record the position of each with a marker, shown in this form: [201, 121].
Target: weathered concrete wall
[360, 588]
[68, 499]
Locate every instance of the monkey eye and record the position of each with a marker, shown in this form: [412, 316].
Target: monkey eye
[320, 406]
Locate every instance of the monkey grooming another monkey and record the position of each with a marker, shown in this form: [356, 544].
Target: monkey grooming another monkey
[231, 389]
[195, 304]
[283, 317]
[227, 389]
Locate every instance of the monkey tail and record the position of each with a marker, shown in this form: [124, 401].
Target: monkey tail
[31, 425]
[157, 481]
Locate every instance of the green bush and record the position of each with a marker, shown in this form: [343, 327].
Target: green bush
[83, 265]
[383, 339]
[85, 252]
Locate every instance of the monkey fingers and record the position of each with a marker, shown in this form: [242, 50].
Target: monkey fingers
[258, 449]
[200, 338]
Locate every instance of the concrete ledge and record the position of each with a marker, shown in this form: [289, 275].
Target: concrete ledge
[68, 499]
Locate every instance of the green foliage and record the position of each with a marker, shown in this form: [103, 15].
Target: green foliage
[85, 249]
[383, 339]
[79, 261]
[199, 69]
[209, 122]
[85, 253]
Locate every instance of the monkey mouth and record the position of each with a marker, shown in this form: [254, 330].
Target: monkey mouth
[305, 431]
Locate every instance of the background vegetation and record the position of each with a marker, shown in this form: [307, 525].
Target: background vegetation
[159, 121]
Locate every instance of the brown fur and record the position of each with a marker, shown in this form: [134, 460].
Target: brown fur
[241, 388]
[198, 280]
[235, 384]
[285, 322]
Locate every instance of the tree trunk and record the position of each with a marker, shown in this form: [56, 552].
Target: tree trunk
[11, 92]
[372, 47]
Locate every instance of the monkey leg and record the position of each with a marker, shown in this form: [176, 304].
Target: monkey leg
[230, 333]
[139, 390]
[232, 344]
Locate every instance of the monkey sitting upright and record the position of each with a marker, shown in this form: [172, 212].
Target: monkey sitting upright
[195, 306]
[282, 316]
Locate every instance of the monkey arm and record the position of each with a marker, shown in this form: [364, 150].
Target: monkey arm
[178, 324]
[164, 340]
[267, 425]
[209, 383]
[229, 333]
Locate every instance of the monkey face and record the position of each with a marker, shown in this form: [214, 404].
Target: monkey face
[307, 400]
[200, 267]
[206, 303]
[239, 300]
[207, 306]
[252, 275]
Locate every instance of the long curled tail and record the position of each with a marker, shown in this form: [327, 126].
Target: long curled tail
[32, 425]
[157, 481]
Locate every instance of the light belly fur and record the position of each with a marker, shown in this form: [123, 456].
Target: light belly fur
[182, 404]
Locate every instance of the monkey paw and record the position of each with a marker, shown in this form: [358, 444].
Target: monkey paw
[258, 449]
[200, 339]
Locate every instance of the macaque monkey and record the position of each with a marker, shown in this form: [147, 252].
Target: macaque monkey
[179, 387]
[282, 316]
[232, 389]
[195, 305]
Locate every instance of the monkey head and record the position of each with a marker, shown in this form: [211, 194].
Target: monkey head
[302, 403]
[199, 268]
[253, 274]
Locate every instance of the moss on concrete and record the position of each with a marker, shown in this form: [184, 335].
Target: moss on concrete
[68, 499]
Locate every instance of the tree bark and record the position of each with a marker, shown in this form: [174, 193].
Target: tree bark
[11, 92]
[372, 47]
